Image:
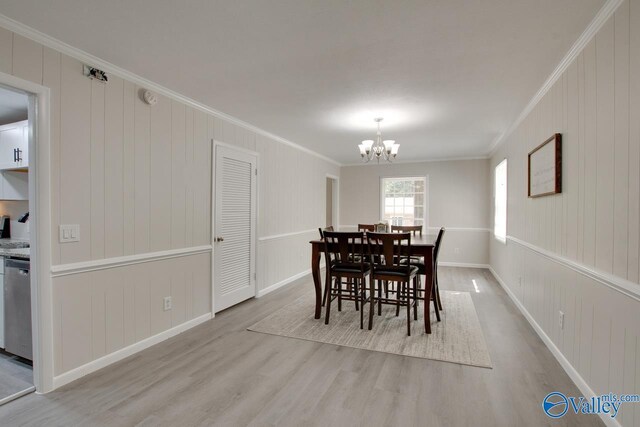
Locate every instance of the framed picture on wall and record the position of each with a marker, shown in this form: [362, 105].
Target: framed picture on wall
[545, 168]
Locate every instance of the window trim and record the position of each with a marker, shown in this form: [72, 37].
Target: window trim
[425, 219]
[501, 239]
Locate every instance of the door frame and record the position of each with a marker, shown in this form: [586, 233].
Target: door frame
[214, 150]
[336, 199]
[40, 227]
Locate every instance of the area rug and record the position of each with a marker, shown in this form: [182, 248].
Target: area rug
[457, 338]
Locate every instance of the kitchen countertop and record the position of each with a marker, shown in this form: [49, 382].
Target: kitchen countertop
[12, 248]
[22, 253]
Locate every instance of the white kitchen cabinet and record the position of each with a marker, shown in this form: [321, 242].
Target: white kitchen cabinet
[14, 185]
[14, 145]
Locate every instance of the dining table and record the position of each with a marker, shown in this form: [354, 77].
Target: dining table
[421, 246]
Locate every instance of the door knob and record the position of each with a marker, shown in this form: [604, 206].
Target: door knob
[219, 239]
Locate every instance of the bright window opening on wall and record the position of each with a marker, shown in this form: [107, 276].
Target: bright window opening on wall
[403, 200]
[500, 200]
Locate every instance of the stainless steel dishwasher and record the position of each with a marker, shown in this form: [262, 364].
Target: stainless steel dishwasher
[17, 308]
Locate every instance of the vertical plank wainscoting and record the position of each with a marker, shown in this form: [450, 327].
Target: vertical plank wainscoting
[104, 315]
[137, 180]
[577, 252]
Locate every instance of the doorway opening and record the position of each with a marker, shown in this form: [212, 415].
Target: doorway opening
[16, 327]
[332, 201]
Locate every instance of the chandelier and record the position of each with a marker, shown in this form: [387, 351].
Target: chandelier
[378, 149]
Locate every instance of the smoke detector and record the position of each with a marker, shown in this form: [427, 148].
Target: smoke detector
[150, 98]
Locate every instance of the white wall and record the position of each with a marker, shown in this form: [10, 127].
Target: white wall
[138, 181]
[578, 251]
[457, 200]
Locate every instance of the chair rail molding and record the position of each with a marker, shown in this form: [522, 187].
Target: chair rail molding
[626, 287]
[283, 235]
[103, 264]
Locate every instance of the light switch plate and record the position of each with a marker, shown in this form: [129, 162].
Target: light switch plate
[69, 233]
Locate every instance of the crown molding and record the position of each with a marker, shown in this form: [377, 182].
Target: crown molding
[596, 24]
[402, 162]
[87, 58]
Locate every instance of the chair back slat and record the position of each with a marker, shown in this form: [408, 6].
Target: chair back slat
[366, 227]
[386, 250]
[416, 230]
[327, 228]
[344, 248]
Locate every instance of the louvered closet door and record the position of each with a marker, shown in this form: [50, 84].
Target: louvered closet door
[235, 227]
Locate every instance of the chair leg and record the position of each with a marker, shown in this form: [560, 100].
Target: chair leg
[435, 306]
[437, 289]
[372, 301]
[408, 302]
[355, 295]
[434, 298]
[398, 293]
[339, 282]
[415, 299]
[326, 316]
[379, 299]
[327, 288]
[361, 297]
[327, 285]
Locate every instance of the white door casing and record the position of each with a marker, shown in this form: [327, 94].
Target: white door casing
[235, 225]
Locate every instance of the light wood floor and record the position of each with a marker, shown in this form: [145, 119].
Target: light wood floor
[15, 375]
[220, 374]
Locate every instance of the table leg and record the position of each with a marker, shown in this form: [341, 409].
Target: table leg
[428, 286]
[317, 281]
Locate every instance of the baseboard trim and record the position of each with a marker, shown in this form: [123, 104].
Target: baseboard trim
[282, 283]
[575, 376]
[116, 356]
[462, 264]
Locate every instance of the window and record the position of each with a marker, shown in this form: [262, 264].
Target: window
[403, 200]
[500, 200]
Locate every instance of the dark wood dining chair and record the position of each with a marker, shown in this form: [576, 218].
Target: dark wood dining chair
[366, 227]
[416, 230]
[436, 251]
[326, 281]
[387, 249]
[345, 259]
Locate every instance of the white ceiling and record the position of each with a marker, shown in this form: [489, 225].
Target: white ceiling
[449, 76]
[13, 106]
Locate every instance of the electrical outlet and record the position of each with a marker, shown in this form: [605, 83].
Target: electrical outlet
[561, 319]
[168, 305]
